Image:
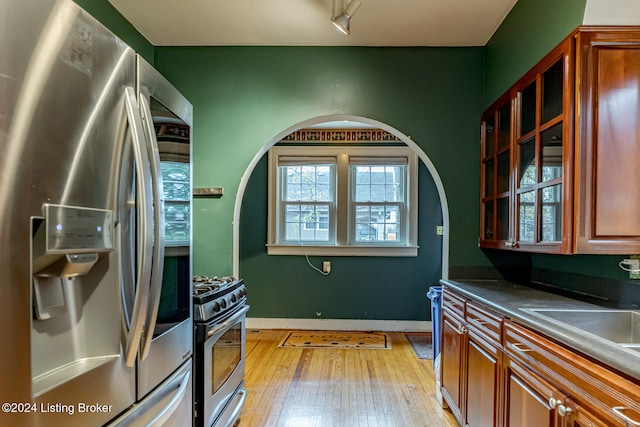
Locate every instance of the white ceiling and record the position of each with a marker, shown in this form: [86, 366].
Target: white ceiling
[307, 22]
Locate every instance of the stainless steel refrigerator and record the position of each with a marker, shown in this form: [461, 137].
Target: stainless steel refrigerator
[95, 299]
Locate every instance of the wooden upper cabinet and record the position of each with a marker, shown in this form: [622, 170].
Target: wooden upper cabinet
[527, 160]
[496, 175]
[574, 132]
[608, 102]
[543, 153]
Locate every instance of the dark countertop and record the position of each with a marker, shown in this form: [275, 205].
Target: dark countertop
[508, 299]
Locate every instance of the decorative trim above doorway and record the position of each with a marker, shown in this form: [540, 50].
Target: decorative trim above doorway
[340, 135]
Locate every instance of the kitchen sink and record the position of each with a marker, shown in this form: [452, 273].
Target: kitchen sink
[619, 326]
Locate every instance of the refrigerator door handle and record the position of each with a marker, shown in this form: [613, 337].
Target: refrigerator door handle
[157, 266]
[171, 406]
[144, 223]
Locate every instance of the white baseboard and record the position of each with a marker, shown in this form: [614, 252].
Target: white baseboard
[339, 324]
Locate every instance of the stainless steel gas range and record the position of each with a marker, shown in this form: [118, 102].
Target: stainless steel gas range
[219, 350]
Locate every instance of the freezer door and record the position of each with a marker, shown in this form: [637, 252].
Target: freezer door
[169, 405]
[62, 127]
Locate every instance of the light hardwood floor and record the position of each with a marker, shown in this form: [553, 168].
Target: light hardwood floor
[290, 387]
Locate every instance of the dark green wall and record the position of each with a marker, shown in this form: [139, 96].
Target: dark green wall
[532, 28]
[358, 287]
[244, 96]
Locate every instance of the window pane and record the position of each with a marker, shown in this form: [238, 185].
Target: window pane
[363, 192]
[528, 163]
[379, 183]
[377, 192]
[552, 213]
[377, 223]
[307, 222]
[377, 174]
[307, 183]
[527, 217]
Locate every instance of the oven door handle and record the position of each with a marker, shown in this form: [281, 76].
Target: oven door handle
[227, 323]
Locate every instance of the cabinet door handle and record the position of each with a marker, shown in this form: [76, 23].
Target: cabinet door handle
[557, 404]
[619, 411]
[478, 322]
[563, 410]
[462, 329]
[521, 348]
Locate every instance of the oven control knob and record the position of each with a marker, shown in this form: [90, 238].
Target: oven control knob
[234, 298]
[223, 304]
[216, 307]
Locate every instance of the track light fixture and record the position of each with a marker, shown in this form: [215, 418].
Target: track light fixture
[341, 18]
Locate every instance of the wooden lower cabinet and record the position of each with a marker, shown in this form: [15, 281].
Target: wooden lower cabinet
[497, 373]
[471, 363]
[527, 399]
[483, 379]
[452, 352]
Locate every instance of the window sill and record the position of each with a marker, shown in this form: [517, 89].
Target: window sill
[382, 251]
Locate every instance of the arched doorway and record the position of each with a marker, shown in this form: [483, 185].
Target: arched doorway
[362, 292]
[341, 118]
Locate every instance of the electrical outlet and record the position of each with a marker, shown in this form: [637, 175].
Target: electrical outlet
[326, 267]
[439, 230]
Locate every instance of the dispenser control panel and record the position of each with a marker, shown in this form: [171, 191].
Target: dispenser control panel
[75, 229]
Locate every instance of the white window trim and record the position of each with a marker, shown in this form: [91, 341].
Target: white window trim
[342, 245]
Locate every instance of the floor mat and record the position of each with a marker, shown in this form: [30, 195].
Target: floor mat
[421, 344]
[336, 339]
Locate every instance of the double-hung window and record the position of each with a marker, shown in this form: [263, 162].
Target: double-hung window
[337, 200]
[306, 199]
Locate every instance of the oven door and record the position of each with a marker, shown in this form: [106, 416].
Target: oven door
[223, 364]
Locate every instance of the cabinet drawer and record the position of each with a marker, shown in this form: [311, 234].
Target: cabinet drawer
[485, 323]
[453, 302]
[588, 383]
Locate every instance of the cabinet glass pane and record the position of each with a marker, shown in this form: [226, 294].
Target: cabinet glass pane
[504, 132]
[489, 136]
[551, 213]
[489, 177]
[552, 153]
[552, 91]
[503, 172]
[527, 165]
[488, 233]
[503, 219]
[527, 217]
[528, 109]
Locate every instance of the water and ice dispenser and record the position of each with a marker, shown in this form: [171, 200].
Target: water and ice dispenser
[74, 271]
[67, 243]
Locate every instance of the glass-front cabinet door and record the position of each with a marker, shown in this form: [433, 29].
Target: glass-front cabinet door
[543, 152]
[496, 175]
[527, 160]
